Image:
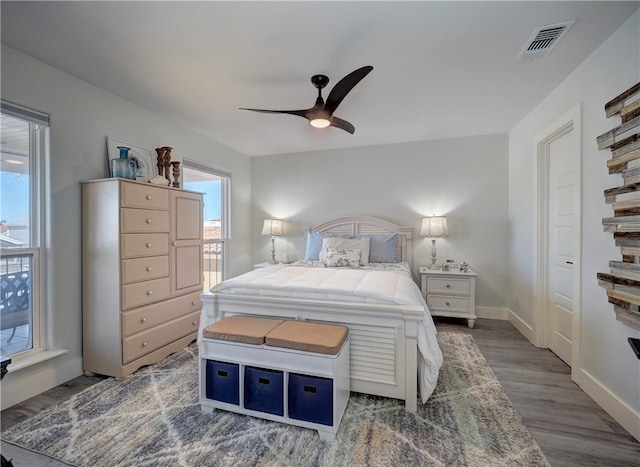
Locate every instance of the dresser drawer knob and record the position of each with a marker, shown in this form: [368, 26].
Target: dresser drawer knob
[149, 197]
[173, 243]
[144, 344]
[195, 322]
[148, 221]
[148, 268]
[148, 245]
[143, 320]
[149, 292]
[193, 303]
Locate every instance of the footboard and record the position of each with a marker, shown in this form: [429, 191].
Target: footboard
[383, 337]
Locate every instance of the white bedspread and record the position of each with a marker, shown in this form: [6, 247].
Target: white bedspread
[391, 285]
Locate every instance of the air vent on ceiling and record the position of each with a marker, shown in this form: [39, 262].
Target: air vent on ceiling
[543, 40]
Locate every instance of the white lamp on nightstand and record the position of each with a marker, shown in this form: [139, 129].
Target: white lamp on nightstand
[272, 227]
[434, 227]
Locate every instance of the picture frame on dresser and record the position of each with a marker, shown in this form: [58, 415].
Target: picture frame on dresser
[146, 168]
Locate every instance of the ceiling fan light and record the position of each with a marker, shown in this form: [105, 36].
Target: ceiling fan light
[320, 122]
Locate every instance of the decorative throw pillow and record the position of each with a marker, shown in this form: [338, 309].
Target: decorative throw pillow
[383, 248]
[343, 258]
[314, 244]
[347, 244]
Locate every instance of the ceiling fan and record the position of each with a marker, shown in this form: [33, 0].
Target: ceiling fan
[321, 114]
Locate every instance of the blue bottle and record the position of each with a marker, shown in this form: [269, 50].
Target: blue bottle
[123, 167]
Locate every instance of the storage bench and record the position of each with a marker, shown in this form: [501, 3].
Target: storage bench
[295, 372]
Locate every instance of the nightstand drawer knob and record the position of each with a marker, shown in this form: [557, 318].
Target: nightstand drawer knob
[448, 304]
[448, 286]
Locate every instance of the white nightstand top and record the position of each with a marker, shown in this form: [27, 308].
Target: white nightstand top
[267, 263]
[453, 272]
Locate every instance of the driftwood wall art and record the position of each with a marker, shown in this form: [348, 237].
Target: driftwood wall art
[623, 280]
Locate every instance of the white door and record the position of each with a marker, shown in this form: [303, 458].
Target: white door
[561, 223]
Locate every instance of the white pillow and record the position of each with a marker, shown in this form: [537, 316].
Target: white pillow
[343, 258]
[346, 244]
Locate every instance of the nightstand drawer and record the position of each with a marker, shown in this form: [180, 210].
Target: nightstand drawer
[448, 303]
[446, 285]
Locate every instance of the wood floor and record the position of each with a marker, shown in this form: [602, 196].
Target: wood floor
[571, 429]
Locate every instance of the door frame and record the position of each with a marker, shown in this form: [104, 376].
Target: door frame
[571, 121]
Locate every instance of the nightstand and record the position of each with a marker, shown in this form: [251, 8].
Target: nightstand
[450, 293]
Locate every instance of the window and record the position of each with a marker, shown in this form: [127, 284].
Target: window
[215, 184]
[24, 135]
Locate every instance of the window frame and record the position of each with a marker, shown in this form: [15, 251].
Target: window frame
[39, 134]
[225, 201]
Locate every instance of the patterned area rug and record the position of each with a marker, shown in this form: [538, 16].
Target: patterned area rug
[153, 419]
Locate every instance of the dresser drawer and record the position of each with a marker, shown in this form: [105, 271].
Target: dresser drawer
[146, 317]
[143, 220]
[446, 285]
[134, 245]
[142, 293]
[145, 268]
[447, 303]
[145, 342]
[139, 195]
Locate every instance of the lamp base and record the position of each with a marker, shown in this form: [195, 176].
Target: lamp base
[433, 266]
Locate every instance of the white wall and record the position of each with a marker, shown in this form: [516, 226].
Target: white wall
[82, 116]
[608, 369]
[463, 178]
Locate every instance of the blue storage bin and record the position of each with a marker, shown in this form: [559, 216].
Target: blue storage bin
[263, 390]
[223, 382]
[311, 399]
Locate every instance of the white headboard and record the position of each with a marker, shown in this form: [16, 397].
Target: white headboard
[364, 225]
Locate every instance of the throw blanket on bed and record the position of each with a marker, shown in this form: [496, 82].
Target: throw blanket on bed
[383, 284]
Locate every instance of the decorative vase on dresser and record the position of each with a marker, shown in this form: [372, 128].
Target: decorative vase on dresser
[142, 273]
[450, 293]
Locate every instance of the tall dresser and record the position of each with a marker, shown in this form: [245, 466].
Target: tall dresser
[142, 273]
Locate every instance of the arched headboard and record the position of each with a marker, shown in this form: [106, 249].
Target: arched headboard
[365, 225]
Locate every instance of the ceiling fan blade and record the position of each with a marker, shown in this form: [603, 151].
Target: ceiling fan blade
[300, 113]
[342, 87]
[343, 125]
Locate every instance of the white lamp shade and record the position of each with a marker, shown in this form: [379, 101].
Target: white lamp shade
[435, 226]
[272, 227]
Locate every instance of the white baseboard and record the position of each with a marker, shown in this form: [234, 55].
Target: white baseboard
[626, 416]
[525, 328]
[21, 384]
[488, 312]
[621, 412]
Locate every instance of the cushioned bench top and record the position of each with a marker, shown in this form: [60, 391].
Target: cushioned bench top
[310, 337]
[245, 329]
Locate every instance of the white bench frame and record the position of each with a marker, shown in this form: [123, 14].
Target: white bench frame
[335, 367]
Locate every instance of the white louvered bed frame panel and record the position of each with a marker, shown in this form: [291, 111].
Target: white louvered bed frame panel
[365, 225]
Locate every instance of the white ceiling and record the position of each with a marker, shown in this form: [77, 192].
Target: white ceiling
[441, 69]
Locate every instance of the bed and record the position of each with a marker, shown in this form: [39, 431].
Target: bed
[393, 339]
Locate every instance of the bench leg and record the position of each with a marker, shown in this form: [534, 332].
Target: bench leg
[326, 435]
